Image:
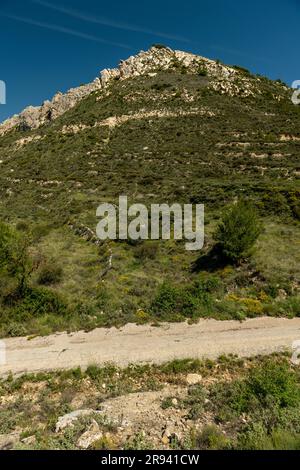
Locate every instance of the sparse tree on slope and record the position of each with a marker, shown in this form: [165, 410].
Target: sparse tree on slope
[238, 231]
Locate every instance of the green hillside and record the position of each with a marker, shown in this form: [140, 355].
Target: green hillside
[177, 133]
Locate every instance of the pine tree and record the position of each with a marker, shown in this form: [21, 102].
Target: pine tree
[238, 231]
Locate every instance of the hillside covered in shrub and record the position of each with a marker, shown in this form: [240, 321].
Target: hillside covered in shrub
[164, 127]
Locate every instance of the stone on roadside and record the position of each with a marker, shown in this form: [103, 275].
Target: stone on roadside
[69, 419]
[89, 437]
[193, 379]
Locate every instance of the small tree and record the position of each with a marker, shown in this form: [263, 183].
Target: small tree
[14, 258]
[238, 231]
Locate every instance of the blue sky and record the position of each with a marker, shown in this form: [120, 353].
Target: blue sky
[52, 45]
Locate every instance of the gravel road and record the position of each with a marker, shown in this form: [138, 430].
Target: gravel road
[148, 344]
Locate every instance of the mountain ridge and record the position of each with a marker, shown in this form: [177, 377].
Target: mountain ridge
[162, 57]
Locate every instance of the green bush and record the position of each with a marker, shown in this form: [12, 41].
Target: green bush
[238, 231]
[191, 301]
[171, 300]
[202, 72]
[146, 251]
[275, 203]
[258, 438]
[181, 366]
[40, 231]
[229, 400]
[197, 300]
[159, 46]
[15, 261]
[204, 286]
[274, 383]
[243, 70]
[167, 403]
[189, 305]
[269, 386]
[103, 298]
[40, 301]
[22, 226]
[50, 274]
[160, 86]
[211, 438]
[195, 401]
[166, 300]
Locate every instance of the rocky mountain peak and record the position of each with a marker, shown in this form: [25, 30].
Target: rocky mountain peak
[159, 58]
[223, 79]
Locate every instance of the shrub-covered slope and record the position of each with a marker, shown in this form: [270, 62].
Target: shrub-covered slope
[165, 126]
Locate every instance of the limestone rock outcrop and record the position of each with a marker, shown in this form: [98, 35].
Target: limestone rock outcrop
[35, 116]
[223, 79]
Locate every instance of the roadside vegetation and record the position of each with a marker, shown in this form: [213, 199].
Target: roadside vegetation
[235, 404]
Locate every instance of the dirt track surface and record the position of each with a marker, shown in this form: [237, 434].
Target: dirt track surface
[147, 344]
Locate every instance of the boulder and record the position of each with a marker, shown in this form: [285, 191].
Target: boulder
[29, 441]
[89, 437]
[7, 441]
[69, 419]
[193, 379]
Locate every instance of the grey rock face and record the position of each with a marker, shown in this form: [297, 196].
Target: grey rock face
[144, 63]
[70, 418]
[33, 117]
[90, 436]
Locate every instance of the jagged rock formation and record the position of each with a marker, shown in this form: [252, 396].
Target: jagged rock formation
[224, 79]
[33, 117]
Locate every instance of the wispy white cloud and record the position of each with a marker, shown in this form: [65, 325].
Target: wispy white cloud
[108, 22]
[62, 29]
